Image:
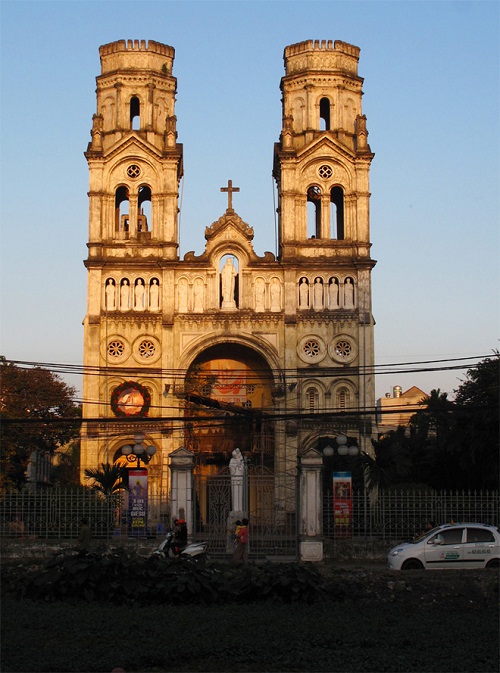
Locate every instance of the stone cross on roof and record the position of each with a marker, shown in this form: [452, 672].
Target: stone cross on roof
[230, 189]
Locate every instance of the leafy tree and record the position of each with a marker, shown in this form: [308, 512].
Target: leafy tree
[37, 413]
[475, 442]
[108, 479]
[66, 471]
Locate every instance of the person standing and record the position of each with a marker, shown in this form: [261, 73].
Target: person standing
[241, 552]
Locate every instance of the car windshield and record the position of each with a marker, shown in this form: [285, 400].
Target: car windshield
[423, 535]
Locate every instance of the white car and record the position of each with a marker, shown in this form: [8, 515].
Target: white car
[457, 545]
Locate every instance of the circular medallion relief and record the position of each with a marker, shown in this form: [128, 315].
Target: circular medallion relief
[130, 399]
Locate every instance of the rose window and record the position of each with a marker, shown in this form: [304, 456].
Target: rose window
[312, 348]
[343, 349]
[325, 171]
[147, 349]
[116, 348]
[133, 171]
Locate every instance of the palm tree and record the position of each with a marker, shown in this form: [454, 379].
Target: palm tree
[108, 479]
[391, 460]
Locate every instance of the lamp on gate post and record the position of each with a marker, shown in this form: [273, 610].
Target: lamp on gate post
[138, 452]
[341, 444]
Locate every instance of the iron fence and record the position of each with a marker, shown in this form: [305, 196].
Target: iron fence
[397, 515]
[56, 514]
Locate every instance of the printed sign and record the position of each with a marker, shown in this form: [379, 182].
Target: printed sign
[138, 497]
[342, 503]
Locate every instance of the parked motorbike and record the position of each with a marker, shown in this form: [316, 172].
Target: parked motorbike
[196, 551]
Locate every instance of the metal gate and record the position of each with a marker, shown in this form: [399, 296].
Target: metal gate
[271, 504]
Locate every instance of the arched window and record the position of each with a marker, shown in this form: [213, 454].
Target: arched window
[312, 399]
[343, 398]
[122, 222]
[337, 213]
[144, 203]
[314, 212]
[324, 114]
[135, 113]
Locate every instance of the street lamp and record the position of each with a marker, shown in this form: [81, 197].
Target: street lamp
[138, 451]
[342, 448]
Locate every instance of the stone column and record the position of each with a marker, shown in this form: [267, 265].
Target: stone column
[311, 510]
[181, 467]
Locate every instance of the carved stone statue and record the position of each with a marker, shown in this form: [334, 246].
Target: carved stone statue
[303, 293]
[237, 471]
[154, 295]
[139, 295]
[333, 294]
[110, 295]
[198, 296]
[228, 275]
[275, 295]
[260, 293]
[183, 295]
[348, 294]
[318, 294]
[124, 295]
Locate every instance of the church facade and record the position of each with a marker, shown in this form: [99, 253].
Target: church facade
[227, 349]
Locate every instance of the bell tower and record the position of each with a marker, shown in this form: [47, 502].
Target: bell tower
[135, 166]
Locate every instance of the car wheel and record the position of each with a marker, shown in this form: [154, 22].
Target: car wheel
[493, 564]
[412, 564]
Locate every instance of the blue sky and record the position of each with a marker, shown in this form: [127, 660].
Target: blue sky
[431, 97]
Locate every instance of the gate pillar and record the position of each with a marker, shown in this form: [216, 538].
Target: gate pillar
[311, 485]
[181, 467]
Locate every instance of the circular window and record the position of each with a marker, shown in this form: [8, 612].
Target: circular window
[325, 171]
[116, 348]
[133, 171]
[343, 349]
[311, 349]
[147, 349]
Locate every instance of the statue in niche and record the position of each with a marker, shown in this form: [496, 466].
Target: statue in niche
[348, 293]
[124, 295]
[139, 295]
[154, 295]
[333, 294]
[237, 471]
[303, 293]
[275, 292]
[183, 295]
[260, 294]
[198, 296]
[110, 295]
[318, 294]
[228, 276]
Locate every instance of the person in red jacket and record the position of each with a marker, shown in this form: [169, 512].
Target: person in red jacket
[241, 552]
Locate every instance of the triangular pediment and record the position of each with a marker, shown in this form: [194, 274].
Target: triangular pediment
[132, 144]
[229, 224]
[327, 145]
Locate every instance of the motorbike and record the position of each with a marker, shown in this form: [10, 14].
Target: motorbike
[195, 551]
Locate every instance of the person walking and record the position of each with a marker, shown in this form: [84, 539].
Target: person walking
[241, 552]
[85, 537]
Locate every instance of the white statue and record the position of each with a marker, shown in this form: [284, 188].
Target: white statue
[260, 294]
[318, 294]
[139, 295]
[348, 294]
[124, 295]
[333, 294]
[198, 296]
[303, 293]
[110, 295]
[183, 295]
[237, 470]
[275, 295]
[228, 275]
[154, 295]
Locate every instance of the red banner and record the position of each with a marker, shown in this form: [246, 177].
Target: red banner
[342, 503]
[138, 497]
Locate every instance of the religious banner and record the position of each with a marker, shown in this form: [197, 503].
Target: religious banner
[138, 498]
[342, 503]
